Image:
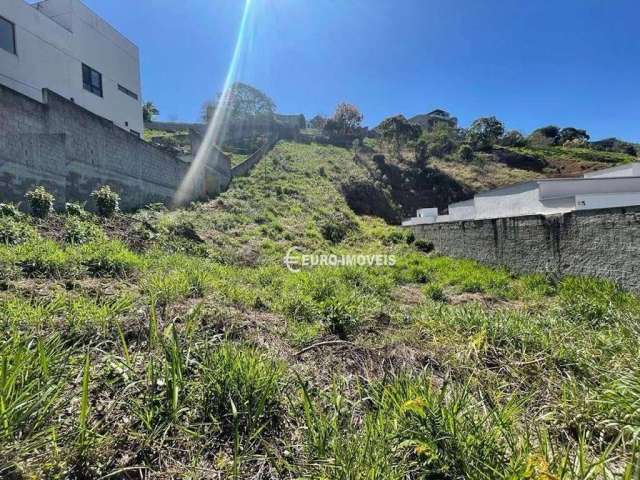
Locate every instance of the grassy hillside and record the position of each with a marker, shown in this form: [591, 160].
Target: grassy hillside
[177, 345]
[446, 179]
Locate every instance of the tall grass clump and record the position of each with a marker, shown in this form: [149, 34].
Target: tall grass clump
[242, 390]
[108, 258]
[595, 302]
[45, 258]
[32, 382]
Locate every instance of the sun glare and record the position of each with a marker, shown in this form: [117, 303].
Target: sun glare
[217, 127]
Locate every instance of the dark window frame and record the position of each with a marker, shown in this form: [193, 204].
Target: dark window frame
[13, 32]
[128, 92]
[88, 80]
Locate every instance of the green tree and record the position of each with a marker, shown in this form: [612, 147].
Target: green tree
[149, 110]
[485, 132]
[240, 101]
[347, 118]
[318, 122]
[570, 134]
[465, 153]
[545, 136]
[513, 138]
[397, 131]
[441, 140]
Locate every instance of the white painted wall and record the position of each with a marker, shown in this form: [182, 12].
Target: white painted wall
[50, 53]
[571, 187]
[606, 200]
[526, 201]
[630, 170]
[427, 212]
[462, 210]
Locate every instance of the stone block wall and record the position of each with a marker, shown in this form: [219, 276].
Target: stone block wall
[599, 243]
[71, 151]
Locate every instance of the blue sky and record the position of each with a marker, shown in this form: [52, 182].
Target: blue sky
[530, 63]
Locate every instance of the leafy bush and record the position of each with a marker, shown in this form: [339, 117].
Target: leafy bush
[78, 231]
[76, 210]
[424, 246]
[465, 153]
[13, 231]
[40, 201]
[107, 201]
[401, 236]
[241, 389]
[9, 210]
[513, 138]
[337, 227]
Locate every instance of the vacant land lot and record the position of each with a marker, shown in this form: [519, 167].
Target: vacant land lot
[178, 345]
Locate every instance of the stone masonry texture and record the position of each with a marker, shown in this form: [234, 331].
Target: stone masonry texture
[71, 151]
[597, 243]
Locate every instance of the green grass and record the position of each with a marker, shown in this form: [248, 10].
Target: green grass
[584, 154]
[200, 354]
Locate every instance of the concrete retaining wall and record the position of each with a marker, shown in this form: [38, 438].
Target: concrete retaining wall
[246, 166]
[71, 151]
[599, 243]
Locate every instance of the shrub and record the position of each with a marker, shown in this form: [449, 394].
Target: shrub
[424, 246]
[9, 210]
[465, 153]
[40, 201]
[107, 201]
[336, 227]
[401, 236]
[513, 138]
[13, 232]
[78, 231]
[75, 210]
[241, 389]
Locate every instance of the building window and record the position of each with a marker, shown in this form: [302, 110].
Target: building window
[126, 91]
[92, 80]
[7, 36]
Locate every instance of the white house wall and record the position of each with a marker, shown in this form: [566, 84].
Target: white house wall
[631, 170]
[564, 188]
[464, 212]
[607, 200]
[513, 204]
[51, 56]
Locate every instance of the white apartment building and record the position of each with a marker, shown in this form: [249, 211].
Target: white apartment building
[612, 187]
[63, 46]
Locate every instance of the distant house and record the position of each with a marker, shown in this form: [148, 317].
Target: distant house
[436, 117]
[612, 187]
[63, 46]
